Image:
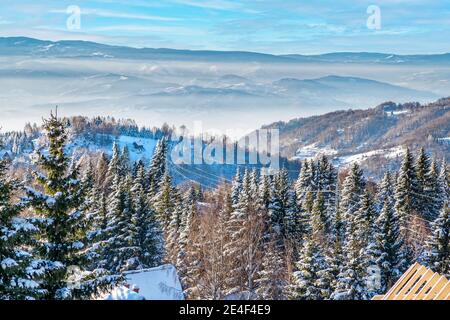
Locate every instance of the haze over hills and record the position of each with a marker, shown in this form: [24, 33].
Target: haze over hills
[229, 91]
[376, 138]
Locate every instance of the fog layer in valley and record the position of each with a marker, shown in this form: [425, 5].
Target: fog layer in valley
[232, 95]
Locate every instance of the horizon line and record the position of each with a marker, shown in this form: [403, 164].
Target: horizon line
[226, 51]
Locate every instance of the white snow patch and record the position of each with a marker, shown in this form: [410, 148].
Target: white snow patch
[160, 283]
[359, 157]
[397, 112]
[444, 140]
[312, 151]
[124, 293]
[139, 148]
[8, 263]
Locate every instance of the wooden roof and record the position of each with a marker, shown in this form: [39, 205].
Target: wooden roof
[418, 283]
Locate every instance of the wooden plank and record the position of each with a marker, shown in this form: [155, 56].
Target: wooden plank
[447, 297]
[403, 279]
[436, 288]
[443, 294]
[421, 294]
[410, 282]
[418, 283]
[422, 282]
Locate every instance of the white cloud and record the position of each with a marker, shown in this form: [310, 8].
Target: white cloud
[159, 29]
[209, 4]
[114, 14]
[2, 21]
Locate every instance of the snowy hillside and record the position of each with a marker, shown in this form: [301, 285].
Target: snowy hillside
[374, 137]
[139, 148]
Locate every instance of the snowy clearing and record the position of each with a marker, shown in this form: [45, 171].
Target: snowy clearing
[391, 153]
[312, 151]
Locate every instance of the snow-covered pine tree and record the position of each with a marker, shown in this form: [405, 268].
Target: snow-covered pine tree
[173, 233]
[271, 278]
[295, 223]
[328, 187]
[115, 206]
[236, 187]
[16, 271]
[265, 191]
[95, 218]
[89, 192]
[434, 192]
[126, 230]
[147, 236]
[407, 202]
[406, 190]
[98, 233]
[184, 261]
[326, 176]
[352, 277]
[118, 247]
[279, 206]
[387, 250]
[262, 202]
[318, 221]
[422, 168]
[306, 279]
[163, 201]
[304, 182]
[367, 216]
[61, 244]
[352, 193]
[335, 254]
[113, 168]
[351, 284]
[158, 167]
[254, 185]
[444, 181]
[169, 210]
[329, 275]
[305, 192]
[124, 162]
[437, 255]
[385, 191]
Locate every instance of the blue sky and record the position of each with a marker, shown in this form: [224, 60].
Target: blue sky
[272, 26]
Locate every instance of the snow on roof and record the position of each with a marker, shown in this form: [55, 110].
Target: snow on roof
[160, 283]
[124, 293]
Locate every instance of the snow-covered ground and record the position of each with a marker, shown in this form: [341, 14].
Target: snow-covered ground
[445, 140]
[160, 283]
[359, 157]
[139, 148]
[398, 112]
[312, 151]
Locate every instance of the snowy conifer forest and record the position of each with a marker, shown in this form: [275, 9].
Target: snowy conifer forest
[70, 227]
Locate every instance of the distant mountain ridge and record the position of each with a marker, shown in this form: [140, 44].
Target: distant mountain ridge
[76, 48]
[224, 90]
